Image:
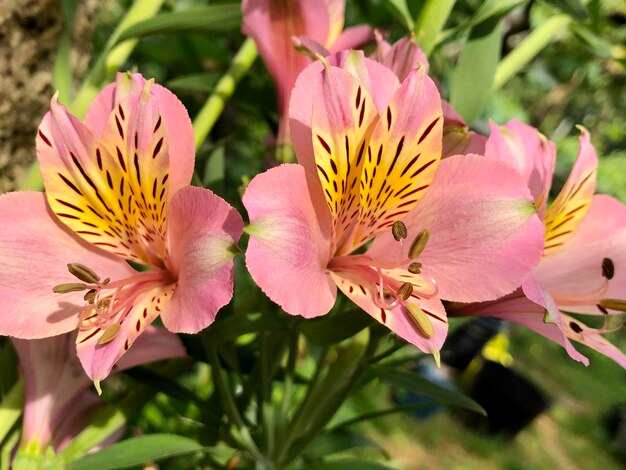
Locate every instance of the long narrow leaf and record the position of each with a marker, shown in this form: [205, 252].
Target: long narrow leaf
[137, 451]
[213, 18]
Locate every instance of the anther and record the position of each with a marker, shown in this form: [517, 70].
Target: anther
[84, 273]
[68, 287]
[405, 291]
[421, 320]
[613, 304]
[103, 306]
[419, 244]
[109, 334]
[90, 296]
[398, 230]
[576, 328]
[608, 268]
[415, 268]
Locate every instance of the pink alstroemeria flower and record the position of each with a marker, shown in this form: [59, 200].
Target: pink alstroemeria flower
[57, 391]
[116, 189]
[368, 148]
[583, 268]
[274, 24]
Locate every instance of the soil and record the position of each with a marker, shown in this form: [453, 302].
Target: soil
[29, 36]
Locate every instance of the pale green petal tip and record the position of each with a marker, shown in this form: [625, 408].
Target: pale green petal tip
[437, 357]
[96, 384]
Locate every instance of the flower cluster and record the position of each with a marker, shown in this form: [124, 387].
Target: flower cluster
[393, 201]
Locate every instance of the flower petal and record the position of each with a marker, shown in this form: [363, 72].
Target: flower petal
[352, 38]
[402, 157]
[484, 235]
[573, 274]
[154, 344]
[457, 138]
[34, 251]
[567, 211]
[359, 284]
[593, 339]
[203, 230]
[518, 309]
[377, 80]
[175, 119]
[404, 56]
[525, 149]
[289, 245]
[94, 186]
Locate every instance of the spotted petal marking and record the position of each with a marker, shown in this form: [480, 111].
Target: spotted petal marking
[133, 320]
[342, 120]
[402, 156]
[571, 205]
[112, 192]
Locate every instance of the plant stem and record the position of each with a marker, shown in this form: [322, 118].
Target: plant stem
[11, 408]
[224, 89]
[224, 390]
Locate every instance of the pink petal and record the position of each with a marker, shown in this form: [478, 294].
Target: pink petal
[567, 211]
[352, 38]
[203, 230]
[336, 11]
[525, 149]
[155, 344]
[272, 24]
[175, 118]
[379, 82]
[518, 309]
[289, 245]
[484, 236]
[358, 283]
[53, 378]
[593, 339]
[404, 56]
[34, 251]
[573, 274]
[98, 358]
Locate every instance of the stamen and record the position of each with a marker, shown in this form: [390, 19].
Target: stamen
[608, 268]
[420, 320]
[405, 290]
[419, 244]
[109, 334]
[415, 268]
[84, 273]
[613, 304]
[90, 296]
[68, 287]
[399, 231]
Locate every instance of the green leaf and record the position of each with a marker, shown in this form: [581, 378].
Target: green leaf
[194, 82]
[402, 10]
[473, 76]
[598, 46]
[62, 68]
[430, 21]
[137, 451]
[346, 464]
[231, 328]
[332, 329]
[574, 8]
[11, 408]
[338, 440]
[212, 18]
[421, 386]
[489, 10]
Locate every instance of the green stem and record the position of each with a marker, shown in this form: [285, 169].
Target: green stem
[378, 414]
[11, 408]
[431, 20]
[212, 109]
[224, 390]
[532, 45]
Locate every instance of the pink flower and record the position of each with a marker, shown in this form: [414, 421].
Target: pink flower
[274, 24]
[582, 269]
[57, 394]
[368, 148]
[116, 189]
